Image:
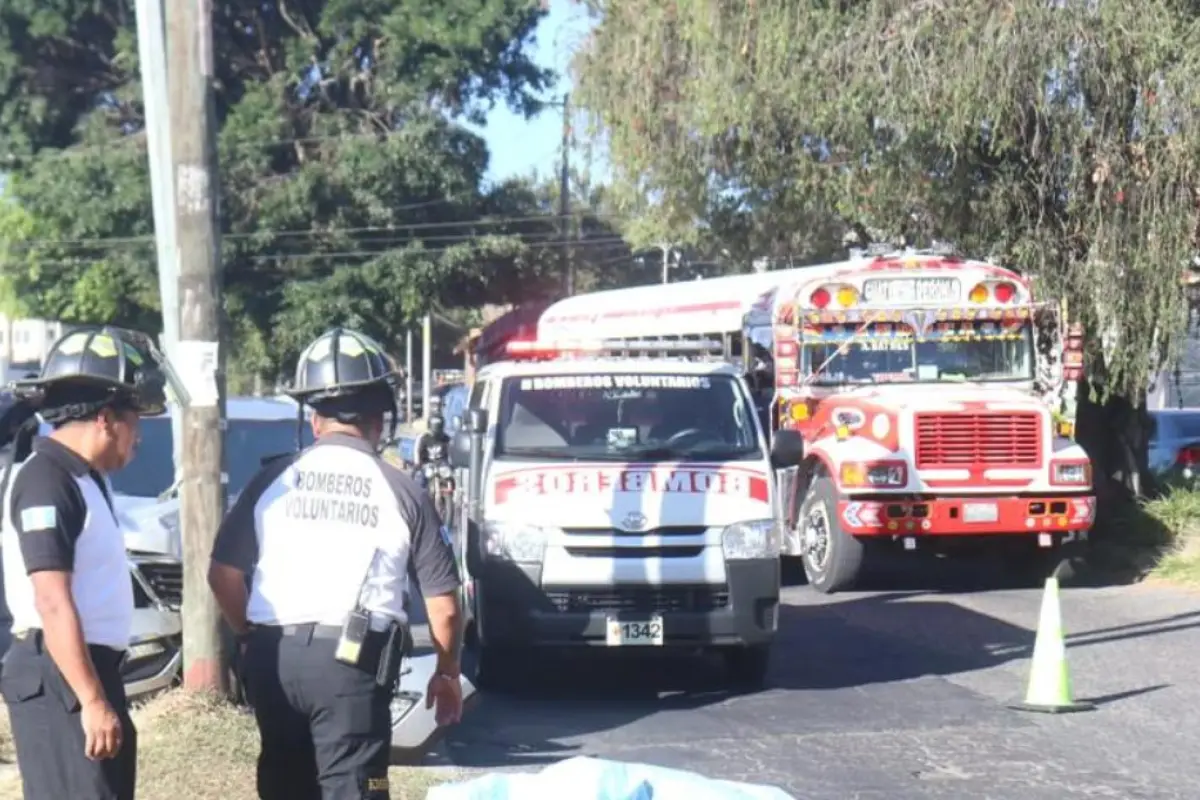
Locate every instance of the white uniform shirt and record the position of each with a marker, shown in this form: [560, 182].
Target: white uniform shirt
[332, 527]
[59, 517]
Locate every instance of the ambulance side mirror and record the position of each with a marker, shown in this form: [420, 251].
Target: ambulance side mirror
[460, 449]
[787, 450]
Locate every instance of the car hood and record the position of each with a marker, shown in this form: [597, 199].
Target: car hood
[150, 525]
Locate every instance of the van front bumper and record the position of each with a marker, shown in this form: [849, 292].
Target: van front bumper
[512, 607]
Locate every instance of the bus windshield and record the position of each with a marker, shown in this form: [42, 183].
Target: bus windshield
[623, 417]
[889, 359]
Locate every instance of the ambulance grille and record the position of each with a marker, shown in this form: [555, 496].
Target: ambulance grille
[646, 599]
[675, 530]
[978, 439]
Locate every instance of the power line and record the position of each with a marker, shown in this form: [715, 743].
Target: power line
[313, 233]
[138, 139]
[367, 254]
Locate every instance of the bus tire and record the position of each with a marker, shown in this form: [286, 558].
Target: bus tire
[833, 559]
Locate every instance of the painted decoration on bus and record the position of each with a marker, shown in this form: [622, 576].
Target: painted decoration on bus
[900, 291]
[674, 479]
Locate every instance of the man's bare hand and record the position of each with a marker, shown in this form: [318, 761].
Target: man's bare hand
[101, 730]
[446, 693]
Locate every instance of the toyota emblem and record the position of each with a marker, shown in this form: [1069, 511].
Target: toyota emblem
[634, 521]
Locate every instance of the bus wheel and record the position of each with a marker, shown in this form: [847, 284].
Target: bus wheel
[832, 558]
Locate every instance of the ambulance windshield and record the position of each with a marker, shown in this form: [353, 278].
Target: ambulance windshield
[622, 417]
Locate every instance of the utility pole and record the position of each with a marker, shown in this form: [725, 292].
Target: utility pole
[426, 365]
[201, 493]
[564, 199]
[408, 377]
[151, 32]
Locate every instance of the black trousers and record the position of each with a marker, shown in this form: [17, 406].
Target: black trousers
[46, 727]
[326, 727]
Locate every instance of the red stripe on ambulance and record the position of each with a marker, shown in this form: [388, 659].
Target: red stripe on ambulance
[531, 483]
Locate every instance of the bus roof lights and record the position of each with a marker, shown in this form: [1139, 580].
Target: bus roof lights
[820, 298]
[1004, 292]
[979, 294]
[553, 349]
[847, 296]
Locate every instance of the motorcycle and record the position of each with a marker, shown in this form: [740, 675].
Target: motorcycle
[439, 480]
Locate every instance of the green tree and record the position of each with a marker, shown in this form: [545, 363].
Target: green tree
[1058, 138]
[351, 190]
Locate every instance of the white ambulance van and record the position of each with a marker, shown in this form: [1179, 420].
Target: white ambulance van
[619, 502]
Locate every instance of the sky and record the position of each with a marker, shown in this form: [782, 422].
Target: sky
[520, 146]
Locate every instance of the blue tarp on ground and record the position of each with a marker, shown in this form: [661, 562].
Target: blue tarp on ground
[595, 779]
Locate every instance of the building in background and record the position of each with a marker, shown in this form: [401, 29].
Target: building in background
[24, 344]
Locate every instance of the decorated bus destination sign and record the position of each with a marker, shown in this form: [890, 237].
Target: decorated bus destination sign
[903, 291]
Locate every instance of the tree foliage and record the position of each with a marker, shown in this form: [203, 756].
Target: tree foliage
[351, 190]
[1060, 138]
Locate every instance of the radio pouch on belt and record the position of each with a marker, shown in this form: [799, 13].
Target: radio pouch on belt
[354, 633]
[357, 625]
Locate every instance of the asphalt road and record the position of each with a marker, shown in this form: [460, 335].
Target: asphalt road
[894, 693]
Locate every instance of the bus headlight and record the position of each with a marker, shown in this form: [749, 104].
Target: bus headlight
[743, 541]
[515, 541]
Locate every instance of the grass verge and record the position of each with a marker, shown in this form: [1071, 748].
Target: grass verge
[1158, 538]
[195, 747]
[1179, 513]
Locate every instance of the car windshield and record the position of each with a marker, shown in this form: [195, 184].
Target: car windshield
[247, 442]
[620, 417]
[874, 358]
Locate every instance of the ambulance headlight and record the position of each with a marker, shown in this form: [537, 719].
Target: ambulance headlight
[751, 540]
[515, 541]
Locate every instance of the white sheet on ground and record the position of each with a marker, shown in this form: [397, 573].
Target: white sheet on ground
[596, 779]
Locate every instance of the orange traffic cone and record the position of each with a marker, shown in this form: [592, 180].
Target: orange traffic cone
[1049, 690]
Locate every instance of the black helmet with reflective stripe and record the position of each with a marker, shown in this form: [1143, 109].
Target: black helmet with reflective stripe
[93, 368]
[342, 363]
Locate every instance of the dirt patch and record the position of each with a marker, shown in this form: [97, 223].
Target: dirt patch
[195, 747]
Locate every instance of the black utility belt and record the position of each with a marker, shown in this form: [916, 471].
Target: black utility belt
[356, 643]
[36, 638]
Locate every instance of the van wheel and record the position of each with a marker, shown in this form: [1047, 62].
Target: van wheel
[747, 667]
[833, 559]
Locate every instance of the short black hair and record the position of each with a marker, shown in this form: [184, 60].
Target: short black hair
[371, 402]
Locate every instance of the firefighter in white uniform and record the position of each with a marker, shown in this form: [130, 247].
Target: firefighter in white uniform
[328, 536]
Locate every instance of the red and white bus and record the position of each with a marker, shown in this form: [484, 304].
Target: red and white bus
[935, 395]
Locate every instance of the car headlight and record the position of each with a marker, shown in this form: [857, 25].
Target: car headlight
[401, 704]
[515, 541]
[170, 522]
[445, 471]
[751, 540]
